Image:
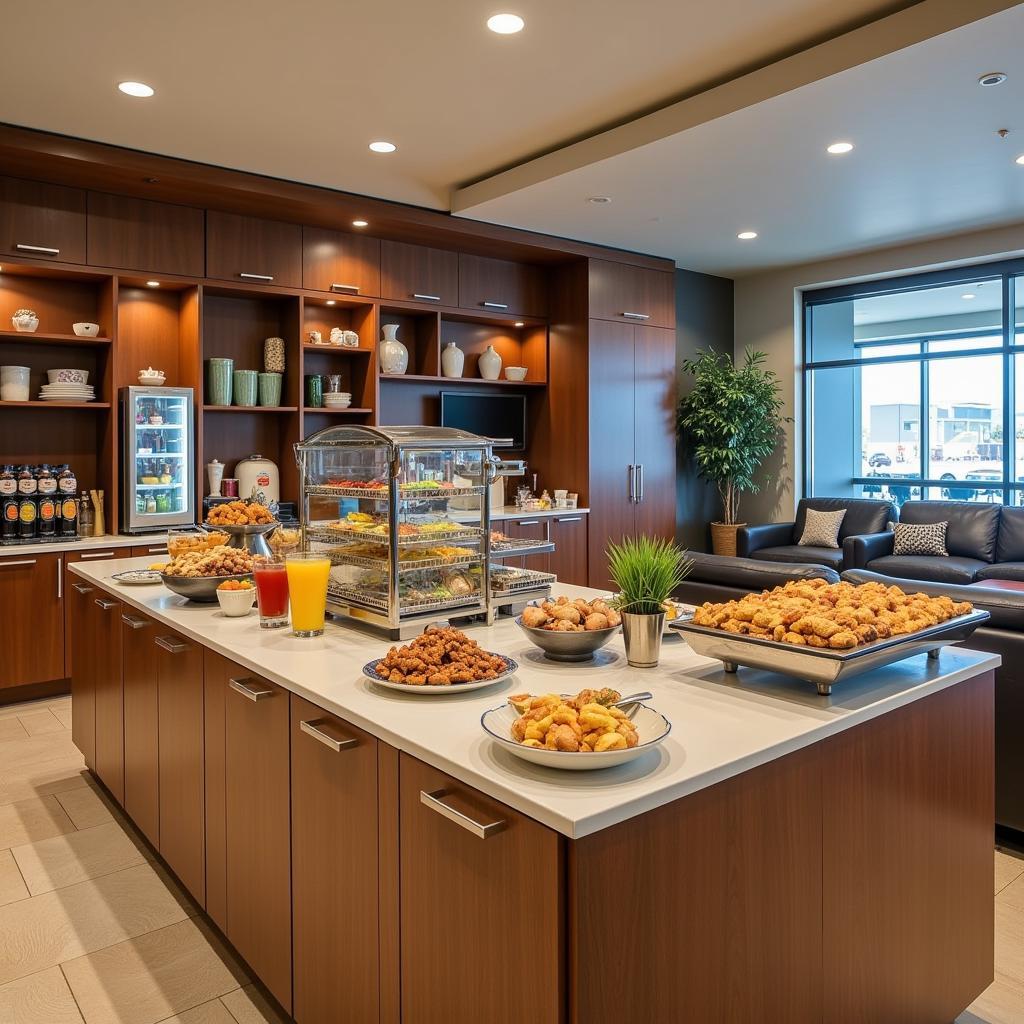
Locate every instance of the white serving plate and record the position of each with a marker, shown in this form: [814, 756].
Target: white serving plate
[440, 691]
[137, 577]
[651, 725]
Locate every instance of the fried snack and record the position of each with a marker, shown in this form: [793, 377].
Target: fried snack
[180, 543]
[219, 561]
[239, 513]
[283, 540]
[439, 657]
[582, 724]
[565, 616]
[837, 616]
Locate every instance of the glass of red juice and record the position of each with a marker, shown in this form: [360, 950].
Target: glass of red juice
[271, 579]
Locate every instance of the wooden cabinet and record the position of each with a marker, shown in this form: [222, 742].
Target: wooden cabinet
[569, 559]
[455, 845]
[335, 869]
[141, 723]
[631, 294]
[179, 669]
[336, 261]
[149, 550]
[419, 273]
[138, 234]
[83, 687]
[42, 221]
[32, 613]
[108, 694]
[253, 250]
[70, 607]
[501, 286]
[531, 528]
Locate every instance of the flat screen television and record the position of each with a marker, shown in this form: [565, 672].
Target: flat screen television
[489, 415]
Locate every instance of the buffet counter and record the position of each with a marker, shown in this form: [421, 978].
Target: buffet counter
[763, 853]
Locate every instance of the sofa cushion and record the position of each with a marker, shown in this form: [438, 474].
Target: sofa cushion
[831, 557]
[1002, 571]
[972, 527]
[937, 569]
[919, 539]
[748, 574]
[1010, 544]
[821, 529]
[863, 515]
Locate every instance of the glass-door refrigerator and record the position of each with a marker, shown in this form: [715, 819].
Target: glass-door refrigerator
[158, 462]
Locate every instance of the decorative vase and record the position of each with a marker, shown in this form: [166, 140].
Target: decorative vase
[218, 381]
[642, 635]
[25, 320]
[453, 359]
[490, 364]
[269, 389]
[215, 473]
[394, 356]
[273, 355]
[314, 391]
[723, 538]
[245, 384]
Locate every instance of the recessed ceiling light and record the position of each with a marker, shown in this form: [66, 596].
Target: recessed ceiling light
[139, 89]
[1020, 160]
[968, 295]
[505, 24]
[992, 78]
[746, 236]
[330, 302]
[519, 323]
[360, 223]
[152, 284]
[840, 147]
[383, 147]
[599, 200]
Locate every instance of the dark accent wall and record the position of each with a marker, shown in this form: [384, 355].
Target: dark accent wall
[704, 319]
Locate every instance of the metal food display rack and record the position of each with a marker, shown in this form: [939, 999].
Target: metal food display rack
[404, 515]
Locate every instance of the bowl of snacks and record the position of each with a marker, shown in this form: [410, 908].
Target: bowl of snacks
[247, 524]
[180, 542]
[196, 575]
[284, 540]
[236, 596]
[567, 630]
[594, 729]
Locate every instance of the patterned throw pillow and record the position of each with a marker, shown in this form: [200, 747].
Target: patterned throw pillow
[923, 539]
[821, 529]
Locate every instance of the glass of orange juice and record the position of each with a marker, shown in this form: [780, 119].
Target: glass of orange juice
[307, 588]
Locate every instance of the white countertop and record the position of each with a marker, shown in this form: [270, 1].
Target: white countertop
[722, 725]
[85, 544]
[511, 512]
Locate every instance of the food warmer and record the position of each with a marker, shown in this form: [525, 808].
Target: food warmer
[404, 515]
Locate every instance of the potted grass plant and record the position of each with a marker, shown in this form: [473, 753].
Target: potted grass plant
[646, 572]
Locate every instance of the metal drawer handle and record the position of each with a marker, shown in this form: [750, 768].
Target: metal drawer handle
[494, 305]
[134, 621]
[105, 604]
[82, 588]
[238, 685]
[257, 277]
[60, 577]
[310, 729]
[637, 316]
[49, 250]
[427, 298]
[335, 287]
[97, 554]
[529, 522]
[570, 519]
[157, 551]
[20, 561]
[435, 803]
[170, 644]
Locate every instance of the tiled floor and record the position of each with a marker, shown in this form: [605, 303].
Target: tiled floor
[94, 932]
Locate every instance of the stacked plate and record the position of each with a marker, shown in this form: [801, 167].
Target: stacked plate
[337, 399]
[67, 393]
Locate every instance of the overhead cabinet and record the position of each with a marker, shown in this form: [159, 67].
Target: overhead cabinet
[42, 221]
[418, 273]
[501, 286]
[252, 250]
[628, 294]
[339, 262]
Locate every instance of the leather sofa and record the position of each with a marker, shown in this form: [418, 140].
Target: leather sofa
[779, 542]
[720, 578]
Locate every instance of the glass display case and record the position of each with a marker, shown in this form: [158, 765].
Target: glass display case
[404, 514]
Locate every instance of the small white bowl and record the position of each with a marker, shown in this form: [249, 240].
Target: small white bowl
[67, 376]
[86, 330]
[515, 372]
[236, 603]
[152, 380]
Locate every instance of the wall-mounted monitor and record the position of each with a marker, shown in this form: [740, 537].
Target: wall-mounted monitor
[489, 415]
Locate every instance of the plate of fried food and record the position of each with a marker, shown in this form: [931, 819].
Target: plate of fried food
[240, 514]
[578, 733]
[570, 630]
[439, 661]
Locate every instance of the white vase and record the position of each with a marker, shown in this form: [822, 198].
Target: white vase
[490, 364]
[453, 359]
[394, 356]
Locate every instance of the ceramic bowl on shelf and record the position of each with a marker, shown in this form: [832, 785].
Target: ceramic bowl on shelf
[151, 378]
[25, 320]
[236, 603]
[86, 330]
[67, 376]
[515, 372]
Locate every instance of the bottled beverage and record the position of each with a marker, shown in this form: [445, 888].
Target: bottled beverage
[8, 503]
[27, 481]
[86, 516]
[66, 481]
[46, 515]
[46, 481]
[68, 515]
[27, 516]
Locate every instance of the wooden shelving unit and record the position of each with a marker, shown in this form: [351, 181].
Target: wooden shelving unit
[97, 406]
[251, 408]
[51, 339]
[480, 381]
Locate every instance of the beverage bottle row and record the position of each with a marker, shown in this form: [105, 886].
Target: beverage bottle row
[37, 502]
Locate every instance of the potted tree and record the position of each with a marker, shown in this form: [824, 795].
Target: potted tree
[646, 572]
[732, 419]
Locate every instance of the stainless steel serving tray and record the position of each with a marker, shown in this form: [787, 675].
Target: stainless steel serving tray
[822, 666]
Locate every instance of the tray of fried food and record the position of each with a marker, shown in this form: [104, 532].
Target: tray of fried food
[239, 513]
[440, 660]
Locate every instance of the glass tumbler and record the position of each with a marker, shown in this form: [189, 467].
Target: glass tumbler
[271, 577]
[308, 573]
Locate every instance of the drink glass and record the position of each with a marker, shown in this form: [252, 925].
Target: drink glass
[271, 577]
[307, 585]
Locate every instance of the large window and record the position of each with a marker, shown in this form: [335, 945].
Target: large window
[914, 387]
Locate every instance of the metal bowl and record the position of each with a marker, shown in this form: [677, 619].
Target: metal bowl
[251, 536]
[568, 646]
[201, 589]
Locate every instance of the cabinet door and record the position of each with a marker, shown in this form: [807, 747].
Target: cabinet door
[334, 869]
[462, 927]
[83, 693]
[501, 286]
[418, 273]
[569, 559]
[70, 606]
[139, 234]
[631, 294]
[253, 250]
[32, 613]
[141, 723]
[654, 416]
[149, 550]
[43, 221]
[257, 834]
[109, 694]
[179, 667]
[611, 458]
[529, 529]
[335, 261]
